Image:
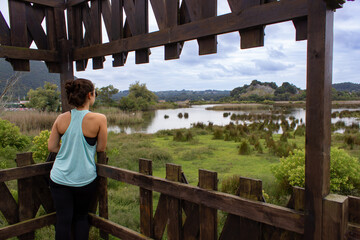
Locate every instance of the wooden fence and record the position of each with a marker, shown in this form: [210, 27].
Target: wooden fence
[184, 211]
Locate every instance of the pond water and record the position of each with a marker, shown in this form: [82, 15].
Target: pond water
[155, 120]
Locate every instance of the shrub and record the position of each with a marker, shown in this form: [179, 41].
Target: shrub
[344, 171]
[244, 148]
[40, 147]
[218, 133]
[10, 136]
[180, 115]
[186, 115]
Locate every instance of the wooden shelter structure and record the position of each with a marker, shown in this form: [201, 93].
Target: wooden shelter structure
[74, 34]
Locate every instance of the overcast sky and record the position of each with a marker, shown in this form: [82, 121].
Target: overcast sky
[282, 59]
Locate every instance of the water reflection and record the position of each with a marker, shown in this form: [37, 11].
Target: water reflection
[156, 120]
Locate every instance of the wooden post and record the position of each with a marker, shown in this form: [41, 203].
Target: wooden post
[173, 173]
[25, 194]
[146, 201]
[103, 193]
[208, 216]
[318, 115]
[335, 217]
[66, 60]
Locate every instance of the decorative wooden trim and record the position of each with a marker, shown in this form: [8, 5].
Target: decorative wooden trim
[271, 13]
[27, 226]
[262, 212]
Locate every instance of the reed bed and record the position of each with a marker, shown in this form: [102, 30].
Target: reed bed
[116, 116]
[240, 106]
[30, 121]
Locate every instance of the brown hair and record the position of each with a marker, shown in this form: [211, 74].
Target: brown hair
[77, 91]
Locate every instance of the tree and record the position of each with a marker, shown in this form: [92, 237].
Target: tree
[105, 95]
[139, 98]
[45, 99]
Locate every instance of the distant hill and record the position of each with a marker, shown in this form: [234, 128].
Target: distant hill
[37, 76]
[182, 95]
[347, 86]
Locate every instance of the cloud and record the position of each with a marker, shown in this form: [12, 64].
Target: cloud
[271, 66]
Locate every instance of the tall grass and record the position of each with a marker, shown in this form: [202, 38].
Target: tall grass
[31, 122]
[118, 117]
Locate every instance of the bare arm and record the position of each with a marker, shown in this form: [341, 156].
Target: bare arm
[54, 139]
[102, 135]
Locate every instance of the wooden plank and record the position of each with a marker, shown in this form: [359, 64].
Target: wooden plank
[4, 31]
[25, 172]
[42, 191]
[25, 195]
[271, 13]
[96, 31]
[262, 212]
[66, 64]
[27, 226]
[335, 217]
[107, 16]
[71, 3]
[249, 38]
[115, 229]
[117, 30]
[146, 201]
[142, 27]
[174, 210]
[160, 217]
[208, 44]
[172, 50]
[34, 18]
[208, 216]
[354, 209]
[318, 115]
[8, 205]
[103, 193]
[78, 17]
[240, 227]
[301, 28]
[191, 225]
[18, 32]
[28, 54]
[51, 38]
[49, 3]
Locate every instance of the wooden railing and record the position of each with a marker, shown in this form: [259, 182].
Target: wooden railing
[185, 211]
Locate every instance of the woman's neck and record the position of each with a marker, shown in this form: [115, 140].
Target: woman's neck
[84, 107]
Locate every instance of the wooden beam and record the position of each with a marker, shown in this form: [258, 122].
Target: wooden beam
[27, 226]
[115, 229]
[8, 205]
[25, 172]
[146, 201]
[48, 3]
[174, 210]
[318, 115]
[271, 13]
[262, 212]
[208, 216]
[72, 3]
[28, 54]
[18, 32]
[4, 31]
[103, 193]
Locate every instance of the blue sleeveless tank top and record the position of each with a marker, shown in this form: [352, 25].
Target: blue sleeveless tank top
[75, 162]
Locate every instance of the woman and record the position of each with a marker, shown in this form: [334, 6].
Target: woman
[72, 177]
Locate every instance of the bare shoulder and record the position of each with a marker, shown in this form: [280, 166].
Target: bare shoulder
[97, 116]
[64, 116]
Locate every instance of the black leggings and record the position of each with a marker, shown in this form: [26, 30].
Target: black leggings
[72, 205]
